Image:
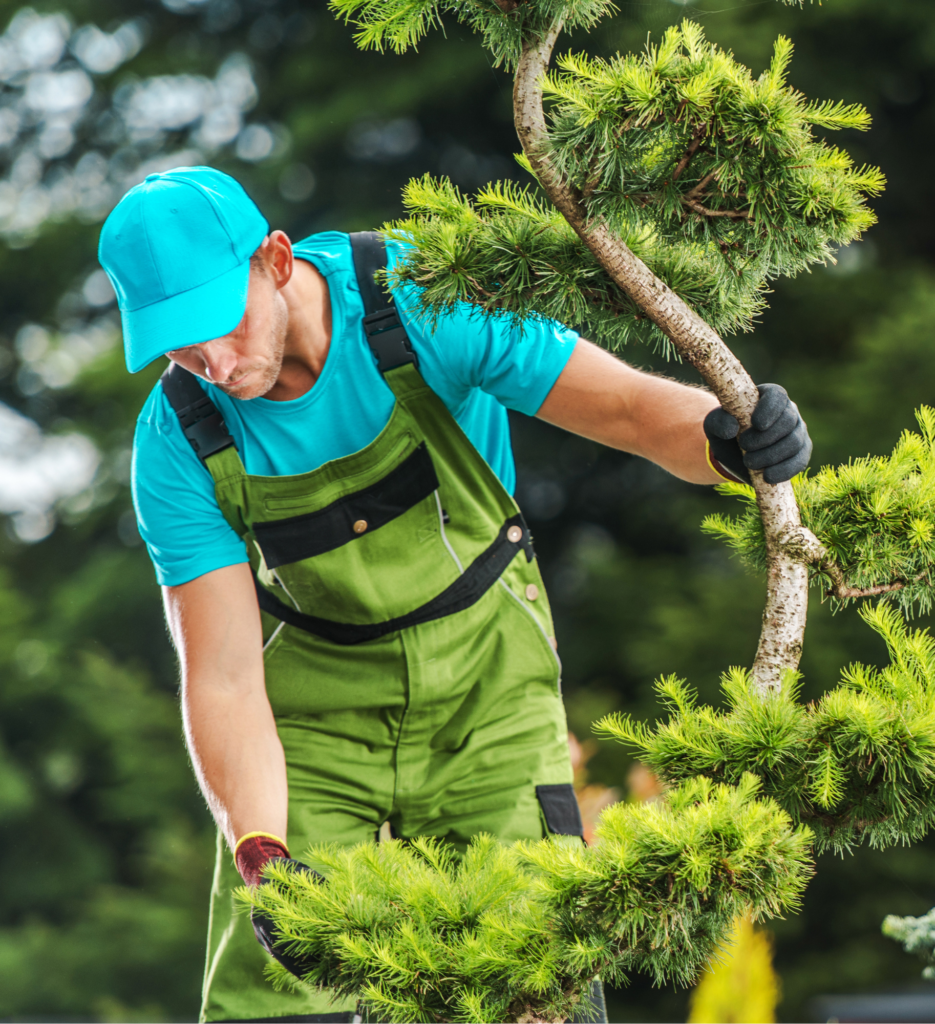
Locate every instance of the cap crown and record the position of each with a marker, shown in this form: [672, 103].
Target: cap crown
[176, 231]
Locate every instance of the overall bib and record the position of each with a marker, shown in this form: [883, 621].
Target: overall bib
[407, 649]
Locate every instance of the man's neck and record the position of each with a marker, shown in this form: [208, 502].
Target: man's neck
[308, 336]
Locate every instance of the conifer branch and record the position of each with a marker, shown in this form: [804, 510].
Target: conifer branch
[515, 934]
[781, 637]
[870, 524]
[855, 765]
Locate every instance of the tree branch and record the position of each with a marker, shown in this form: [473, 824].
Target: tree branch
[698, 208]
[689, 153]
[508, 6]
[702, 186]
[842, 592]
[780, 645]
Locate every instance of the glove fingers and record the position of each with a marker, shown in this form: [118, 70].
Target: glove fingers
[773, 400]
[786, 448]
[720, 423]
[269, 937]
[790, 468]
[753, 440]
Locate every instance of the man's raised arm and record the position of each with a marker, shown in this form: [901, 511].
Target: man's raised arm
[671, 424]
[229, 726]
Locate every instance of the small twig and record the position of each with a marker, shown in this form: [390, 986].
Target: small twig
[842, 592]
[689, 153]
[508, 6]
[699, 208]
[702, 186]
[480, 287]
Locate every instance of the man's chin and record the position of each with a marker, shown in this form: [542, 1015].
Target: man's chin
[248, 389]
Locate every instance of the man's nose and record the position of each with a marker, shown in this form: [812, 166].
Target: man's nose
[220, 361]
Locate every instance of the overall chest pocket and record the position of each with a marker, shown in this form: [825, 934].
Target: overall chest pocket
[370, 555]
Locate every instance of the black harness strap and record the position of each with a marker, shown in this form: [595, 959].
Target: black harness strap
[385, 332]
[466, 590]
[201, 422]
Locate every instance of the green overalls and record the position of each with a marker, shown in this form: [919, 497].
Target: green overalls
[407, 649]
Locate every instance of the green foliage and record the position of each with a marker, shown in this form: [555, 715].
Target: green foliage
[400, 24]
[917, 935]
[875, 516]
[683, 138]
[857, 765]
[713, 178]
[508, 253]
[516, 933]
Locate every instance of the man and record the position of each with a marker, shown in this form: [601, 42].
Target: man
[403, 666]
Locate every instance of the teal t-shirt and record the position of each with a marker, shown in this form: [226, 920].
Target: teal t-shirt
[478, 366]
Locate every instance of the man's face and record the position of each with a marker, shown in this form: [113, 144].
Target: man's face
[247, 362]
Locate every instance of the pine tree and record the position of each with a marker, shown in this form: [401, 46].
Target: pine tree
[671, 187]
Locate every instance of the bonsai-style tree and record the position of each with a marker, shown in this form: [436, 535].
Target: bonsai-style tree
[671, 187]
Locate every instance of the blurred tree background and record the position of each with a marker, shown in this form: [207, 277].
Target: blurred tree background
[104, 842]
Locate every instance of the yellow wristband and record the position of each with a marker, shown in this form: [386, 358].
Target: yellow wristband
[254, 835]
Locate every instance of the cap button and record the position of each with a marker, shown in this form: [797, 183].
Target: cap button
[153, 177]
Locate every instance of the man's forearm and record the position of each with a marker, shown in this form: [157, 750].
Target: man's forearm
[601, 397]
[229, 725]
[237, 757]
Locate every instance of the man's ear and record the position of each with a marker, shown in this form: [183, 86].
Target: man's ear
[277, 255]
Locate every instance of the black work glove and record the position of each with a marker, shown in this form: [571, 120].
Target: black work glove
[268, 935]
[777, 441]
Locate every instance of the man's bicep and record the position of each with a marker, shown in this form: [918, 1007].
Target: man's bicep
[215, 625]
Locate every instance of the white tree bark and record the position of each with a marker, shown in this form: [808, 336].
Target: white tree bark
[789, 545]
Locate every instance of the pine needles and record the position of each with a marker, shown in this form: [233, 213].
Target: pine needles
[508, 934]
[682, 137]
[875, 516]
[399, 25]
[713, 178]
[507, 253]
[856, 766]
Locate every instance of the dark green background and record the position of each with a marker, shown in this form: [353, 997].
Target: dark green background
[104, 841]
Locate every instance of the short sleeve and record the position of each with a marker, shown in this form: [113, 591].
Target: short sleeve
[516, 363]
[178, 515]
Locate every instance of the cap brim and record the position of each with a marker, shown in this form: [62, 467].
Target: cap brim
[209, 311]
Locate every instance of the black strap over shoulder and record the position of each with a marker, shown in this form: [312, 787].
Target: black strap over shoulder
[201, 421]
[385, 332]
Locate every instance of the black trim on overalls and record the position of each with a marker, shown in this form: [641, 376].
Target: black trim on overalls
[313, 533]
[466, 590]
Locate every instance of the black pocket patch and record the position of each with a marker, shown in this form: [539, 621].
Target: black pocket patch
[560, 809]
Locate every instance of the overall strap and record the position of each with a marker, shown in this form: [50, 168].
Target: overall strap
[386, 335]
[201, 421]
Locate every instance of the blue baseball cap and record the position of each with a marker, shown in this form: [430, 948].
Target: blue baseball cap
[177, 250]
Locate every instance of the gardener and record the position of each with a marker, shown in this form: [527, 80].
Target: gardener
[355, 475]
